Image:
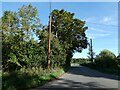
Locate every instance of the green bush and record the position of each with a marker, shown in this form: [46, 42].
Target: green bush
[118, 58]
[106, 59]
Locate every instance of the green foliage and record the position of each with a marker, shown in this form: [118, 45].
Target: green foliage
[70, 32]
[113, 70]
[106, 59]
[118, 58]
[28, 78]
[20, 48]
[105, 62]
[17, 42]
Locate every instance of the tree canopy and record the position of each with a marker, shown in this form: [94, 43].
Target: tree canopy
[70, 32]
[21, 49]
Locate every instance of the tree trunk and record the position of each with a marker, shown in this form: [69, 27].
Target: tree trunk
[68, 58]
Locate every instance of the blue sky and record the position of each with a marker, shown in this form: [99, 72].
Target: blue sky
[101, 19]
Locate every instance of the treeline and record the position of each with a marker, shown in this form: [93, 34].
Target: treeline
[25, 39]
[105, 61]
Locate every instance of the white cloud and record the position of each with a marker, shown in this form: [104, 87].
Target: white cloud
[99, 30]
[96, 35]
[106, 19]
[110, 20]
[97, 26]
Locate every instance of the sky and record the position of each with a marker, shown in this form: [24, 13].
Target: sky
[101, 19]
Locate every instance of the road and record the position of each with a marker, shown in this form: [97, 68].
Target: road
[82, 77]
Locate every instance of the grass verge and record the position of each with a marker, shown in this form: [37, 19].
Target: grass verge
[29, 78]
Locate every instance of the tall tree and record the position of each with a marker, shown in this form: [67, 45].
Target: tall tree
[29, 21]
[70, 32]
[9, 32]
[17, 30]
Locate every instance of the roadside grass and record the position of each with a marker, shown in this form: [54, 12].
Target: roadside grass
[22, 80]
[114, 71]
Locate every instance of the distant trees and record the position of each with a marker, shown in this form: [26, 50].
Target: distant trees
[20, 30]
[106, 59]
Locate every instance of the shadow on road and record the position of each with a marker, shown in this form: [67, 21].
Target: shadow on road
[64, 84]
[70, 84]
[81, 70]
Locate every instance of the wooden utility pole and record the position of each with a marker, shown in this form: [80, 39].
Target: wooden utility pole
[49, 38]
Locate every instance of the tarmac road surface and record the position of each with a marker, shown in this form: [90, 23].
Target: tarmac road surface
[82, 77]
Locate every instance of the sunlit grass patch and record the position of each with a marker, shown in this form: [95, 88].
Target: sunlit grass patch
[24, 79]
